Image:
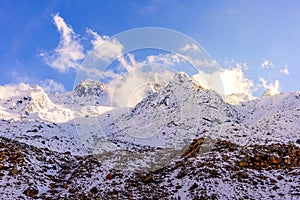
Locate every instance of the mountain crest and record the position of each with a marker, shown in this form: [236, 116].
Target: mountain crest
[182, 81]
[89, 87]
[180, 78]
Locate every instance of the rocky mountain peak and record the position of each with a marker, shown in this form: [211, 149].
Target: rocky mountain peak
[180, 78]
[89, 87]
[182, 83]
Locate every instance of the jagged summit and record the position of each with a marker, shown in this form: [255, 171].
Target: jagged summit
[181, 76]
[89, 87]
[183, 80]
[173, 116]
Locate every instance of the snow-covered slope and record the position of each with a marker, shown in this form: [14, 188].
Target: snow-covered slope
[173, 117]
[170, 117]
[268, 119]
[43, 120]
[150, 150]
[34, 103]
[228, 171]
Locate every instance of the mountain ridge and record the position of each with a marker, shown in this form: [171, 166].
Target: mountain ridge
[182, 141]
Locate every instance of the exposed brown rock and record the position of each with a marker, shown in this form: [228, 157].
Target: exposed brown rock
[13, 171]
[148, 179]
[109, 176]
[31, 192]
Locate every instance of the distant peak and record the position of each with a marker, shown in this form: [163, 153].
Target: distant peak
[90, 82]
[89, 87]
[181, 77]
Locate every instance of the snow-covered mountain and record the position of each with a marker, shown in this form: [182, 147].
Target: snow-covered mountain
[173, 117]
[170, 117]
[35, 103]
[89, 144]
[89, 88]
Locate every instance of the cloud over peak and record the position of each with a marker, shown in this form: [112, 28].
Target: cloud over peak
[233, 81]
[271, 88]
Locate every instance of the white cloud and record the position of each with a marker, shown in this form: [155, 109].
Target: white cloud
[105, 48]
[130, 89]
[10, 90]
[127, 65]
[198, 62]
[234, 81]
[271, 89]
[69, 51]
[20, 77]
[267, 64]
[285, 70]
[50, 86]
[177, 58]
[69, 54]
[231, 80]
[166, 59]
[190, 47]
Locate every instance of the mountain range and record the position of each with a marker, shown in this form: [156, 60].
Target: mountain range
[179, 141]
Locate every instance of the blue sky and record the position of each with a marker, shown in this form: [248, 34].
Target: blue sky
[262, 37]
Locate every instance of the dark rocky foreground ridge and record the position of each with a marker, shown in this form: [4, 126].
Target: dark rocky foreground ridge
[227, 171]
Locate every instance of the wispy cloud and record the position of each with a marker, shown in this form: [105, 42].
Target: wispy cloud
[51, 86]
[105, 48]
[69, 51]
[271, 88]
[19, 77]
[267, 64]
[166, 59]
[199, 62]
[11, 90]
[177, 58]
[285, 70]
[190, 47]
